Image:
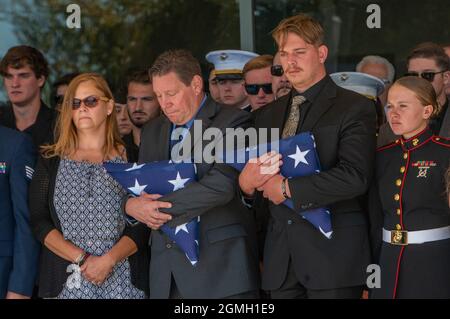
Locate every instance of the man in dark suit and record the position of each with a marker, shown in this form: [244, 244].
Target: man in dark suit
[228, 261]
[299, 262]
[19, 250]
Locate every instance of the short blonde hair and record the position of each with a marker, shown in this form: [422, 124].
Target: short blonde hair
[307, 28]
[259, 62]
[66, 135]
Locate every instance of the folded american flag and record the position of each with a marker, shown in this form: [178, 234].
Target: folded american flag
[162, 178]
[299, 159]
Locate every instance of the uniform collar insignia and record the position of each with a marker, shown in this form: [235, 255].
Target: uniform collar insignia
[416, 141]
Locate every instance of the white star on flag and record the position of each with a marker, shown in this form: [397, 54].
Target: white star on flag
[327, 235]
[135, 167]
[179, 182]
[137, 189]
[299, 156]
[181, 227]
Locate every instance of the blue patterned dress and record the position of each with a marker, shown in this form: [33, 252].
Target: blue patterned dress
[87, 202]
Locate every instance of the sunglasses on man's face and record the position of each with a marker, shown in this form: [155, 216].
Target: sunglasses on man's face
[429, 76]
[90, 101]
[253, 89]
[276, 70]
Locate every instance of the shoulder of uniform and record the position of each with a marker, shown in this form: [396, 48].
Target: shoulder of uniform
[441, 141]
[388, 146]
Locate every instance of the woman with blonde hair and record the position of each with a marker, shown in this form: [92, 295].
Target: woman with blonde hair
[409, 211]
[76, 206]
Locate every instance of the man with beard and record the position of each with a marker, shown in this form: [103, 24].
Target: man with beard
[142, 107]
[299, 261]
[280, 84]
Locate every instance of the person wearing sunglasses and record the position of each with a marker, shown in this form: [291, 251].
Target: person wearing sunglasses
[75, 206]
[429, 61]
[408, 207]
[280, 83]
[228, 65]
[258, 81]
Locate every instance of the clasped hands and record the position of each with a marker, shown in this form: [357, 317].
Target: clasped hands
[145, 209]
[262, 174]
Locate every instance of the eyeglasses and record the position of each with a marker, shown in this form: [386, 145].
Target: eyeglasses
[276, 70]
[253, 89]
[90, 101]
[429, 76]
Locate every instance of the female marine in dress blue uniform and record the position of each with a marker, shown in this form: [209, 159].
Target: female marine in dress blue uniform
[410, 213]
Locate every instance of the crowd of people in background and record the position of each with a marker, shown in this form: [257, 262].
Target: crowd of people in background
[383, 142]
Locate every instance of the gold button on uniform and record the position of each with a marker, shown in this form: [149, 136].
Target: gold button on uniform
[397, 197]
[398, 182]
[405, 155]
[402, 169]
[398, 227]
[399, 211]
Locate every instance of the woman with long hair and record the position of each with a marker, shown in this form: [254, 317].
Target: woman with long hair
[76, 206]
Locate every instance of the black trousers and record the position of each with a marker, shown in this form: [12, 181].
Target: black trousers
[175, 293]
[293, 289]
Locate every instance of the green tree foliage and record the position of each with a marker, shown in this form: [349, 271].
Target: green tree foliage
[119, 35]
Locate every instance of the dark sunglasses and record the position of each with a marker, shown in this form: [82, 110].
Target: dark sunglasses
[276, 70]
[429, 76]
[253, 89]
[90, 101]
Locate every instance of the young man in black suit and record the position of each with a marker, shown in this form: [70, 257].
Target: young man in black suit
[299, 261]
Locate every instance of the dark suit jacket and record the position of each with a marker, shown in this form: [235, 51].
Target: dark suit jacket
[41, 132]
[19, 250]
[343, 124]
[228, 254]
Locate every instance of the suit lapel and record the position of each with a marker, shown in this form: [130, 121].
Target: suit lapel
[163, 146]
[207, 112]
[205, 115]
[321, 105]
[279, 109]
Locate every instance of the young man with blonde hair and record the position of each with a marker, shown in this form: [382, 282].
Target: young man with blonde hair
[258, 81]
[299, 261]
